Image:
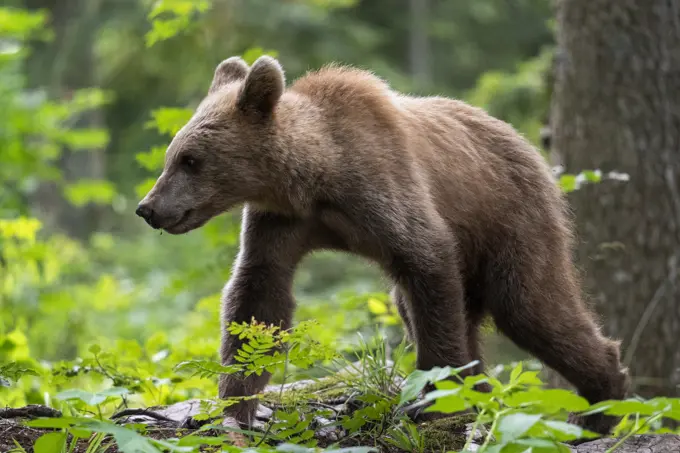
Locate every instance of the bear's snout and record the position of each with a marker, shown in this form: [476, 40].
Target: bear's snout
[147, 214]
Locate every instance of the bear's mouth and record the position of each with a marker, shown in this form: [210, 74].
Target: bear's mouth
[179, 227]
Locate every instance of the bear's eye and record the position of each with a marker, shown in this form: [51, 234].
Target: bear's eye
[189, 162]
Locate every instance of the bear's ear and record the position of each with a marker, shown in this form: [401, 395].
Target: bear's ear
[230, 70]
[263, 87]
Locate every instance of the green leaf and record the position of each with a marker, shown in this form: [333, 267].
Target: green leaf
[516, 372]
[252, 54]
[630, 406]
[535, 445]
[376, 306]
[178, 7]
[418, 379]
[438, 394]
[85, 139]
[20, 228]
[56, 423]
[448, 404]
[81, 395]
[170, 120]
[513, 426]
[15, 371]
[153, 160]
[21, 24]
[95, 349]
[162, 29]
[246, 347]
[548, 400]
[529, 378]
[352, 450]
[143, 188]
[88, 99]
[568, 183]
[563, 431]
[114, 391]
[592, 176]
[90, 191]
[50, 443]
[475, 397]
[289, 417]
[292, 448]
[193, 440]
[206, 368]
[670, 407]
[89, 398]
[129, 441]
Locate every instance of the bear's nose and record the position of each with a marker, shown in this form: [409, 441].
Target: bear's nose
[146, 213]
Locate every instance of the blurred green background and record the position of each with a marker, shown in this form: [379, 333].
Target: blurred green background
[91, 91]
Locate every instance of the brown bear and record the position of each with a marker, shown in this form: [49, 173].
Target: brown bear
[458, 209]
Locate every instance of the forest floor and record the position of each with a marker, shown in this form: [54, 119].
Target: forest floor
[327, 411]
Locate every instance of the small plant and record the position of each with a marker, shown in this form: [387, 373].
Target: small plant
[265, 348]
[405, 436]
[13, 371]
[293, 427]
[522, 414]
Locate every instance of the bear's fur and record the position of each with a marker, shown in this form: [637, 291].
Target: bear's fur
[459, 210]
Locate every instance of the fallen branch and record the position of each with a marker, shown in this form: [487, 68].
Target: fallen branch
[144, 412]
[30, 411]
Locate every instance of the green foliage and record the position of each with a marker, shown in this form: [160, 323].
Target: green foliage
[169, 17]
[128, 440]
[169, 120]
[35, 129]
[523, 414]
[266, 349]
[293, 427]
[90, 191]
[89, 398]
[520, 98]
[127, 318]
[517, 414]
[13, 371]
[569, 183]
[405, 436]
[21, 24]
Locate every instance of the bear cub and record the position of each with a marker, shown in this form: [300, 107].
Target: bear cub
[457, 208]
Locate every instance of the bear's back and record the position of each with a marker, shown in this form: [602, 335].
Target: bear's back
[478, 168]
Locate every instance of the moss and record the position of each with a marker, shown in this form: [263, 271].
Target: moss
[441, 435]
[322, 390]
[446, 434]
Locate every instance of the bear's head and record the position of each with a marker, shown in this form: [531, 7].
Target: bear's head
[218, 159]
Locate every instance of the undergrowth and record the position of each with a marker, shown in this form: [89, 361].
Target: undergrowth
[518, 414]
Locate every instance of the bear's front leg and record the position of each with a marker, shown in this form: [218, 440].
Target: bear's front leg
[260, 288]
[256, 292]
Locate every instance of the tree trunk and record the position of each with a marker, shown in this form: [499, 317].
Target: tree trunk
[616, 107]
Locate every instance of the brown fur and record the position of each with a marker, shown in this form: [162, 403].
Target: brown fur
[458, 209]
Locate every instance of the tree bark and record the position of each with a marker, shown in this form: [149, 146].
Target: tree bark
[616, 107]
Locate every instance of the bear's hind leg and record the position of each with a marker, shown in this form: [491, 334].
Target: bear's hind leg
[399, 300]
[475, 315]
[433, 290]
[544, 315]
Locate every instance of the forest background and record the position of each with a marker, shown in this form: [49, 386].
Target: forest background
[91, 91]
